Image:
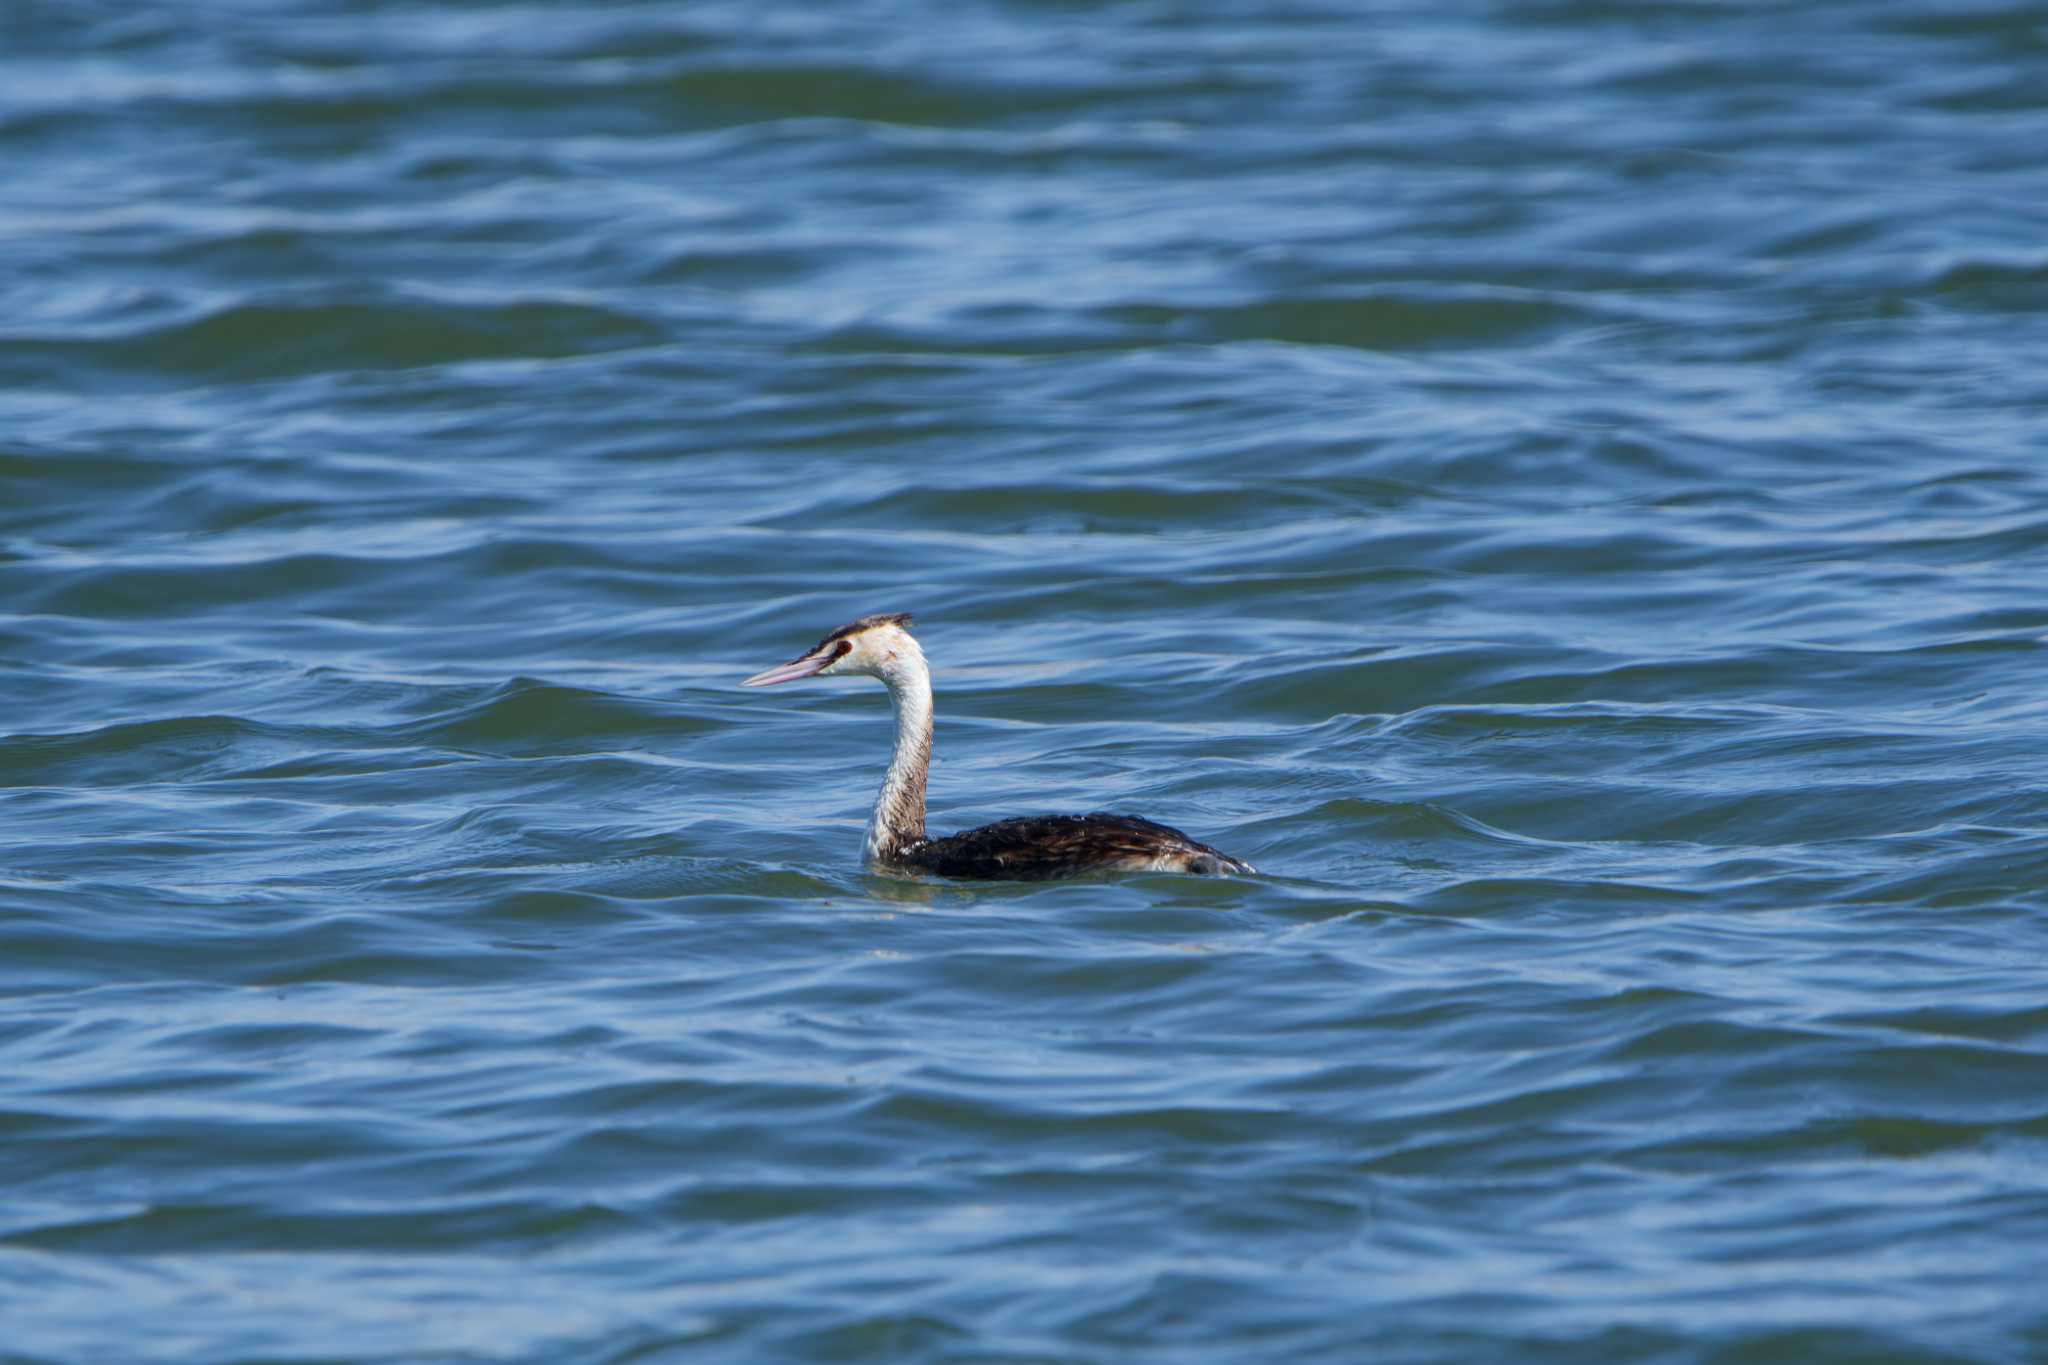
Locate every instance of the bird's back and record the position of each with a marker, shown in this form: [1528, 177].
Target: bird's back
[1035, 847]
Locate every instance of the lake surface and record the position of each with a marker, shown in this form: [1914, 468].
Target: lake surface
[1562, 487]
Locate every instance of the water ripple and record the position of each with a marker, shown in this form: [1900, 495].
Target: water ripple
[1555, 486]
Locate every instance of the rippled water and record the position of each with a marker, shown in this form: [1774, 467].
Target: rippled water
[1559, 486]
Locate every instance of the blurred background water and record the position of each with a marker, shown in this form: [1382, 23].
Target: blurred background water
[1558, 485]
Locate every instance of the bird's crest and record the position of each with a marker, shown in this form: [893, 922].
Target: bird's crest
[899, 619]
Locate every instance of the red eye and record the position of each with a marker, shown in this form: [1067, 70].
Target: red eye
[845, 648]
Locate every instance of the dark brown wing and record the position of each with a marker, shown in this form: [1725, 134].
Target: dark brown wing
[1036, 847]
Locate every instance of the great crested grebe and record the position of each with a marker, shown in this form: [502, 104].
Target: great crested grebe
[1028, 849]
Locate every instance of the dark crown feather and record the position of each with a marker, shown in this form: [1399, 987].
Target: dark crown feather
[899, 619]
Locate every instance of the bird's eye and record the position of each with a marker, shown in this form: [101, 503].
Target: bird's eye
[845, 648]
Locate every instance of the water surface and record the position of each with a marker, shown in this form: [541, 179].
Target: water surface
[1559, 487]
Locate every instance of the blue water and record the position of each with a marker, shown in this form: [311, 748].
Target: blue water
[1561, 487]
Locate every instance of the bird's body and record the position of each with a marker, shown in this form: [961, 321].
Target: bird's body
[1036, 847]
[1032, 848]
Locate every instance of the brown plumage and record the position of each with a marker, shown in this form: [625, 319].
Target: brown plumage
[1031, 848]
[1034, 848]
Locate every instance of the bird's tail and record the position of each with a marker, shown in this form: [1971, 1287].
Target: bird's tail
[1207, 862]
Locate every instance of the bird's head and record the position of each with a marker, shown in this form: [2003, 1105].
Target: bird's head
[878, 646]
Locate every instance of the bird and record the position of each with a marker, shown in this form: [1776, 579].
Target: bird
[1029, 848]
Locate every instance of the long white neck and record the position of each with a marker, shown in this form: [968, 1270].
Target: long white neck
[898, 820]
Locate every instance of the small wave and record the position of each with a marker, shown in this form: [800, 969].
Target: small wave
[304, 336]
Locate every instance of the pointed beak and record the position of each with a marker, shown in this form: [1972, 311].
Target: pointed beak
[789, 672]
